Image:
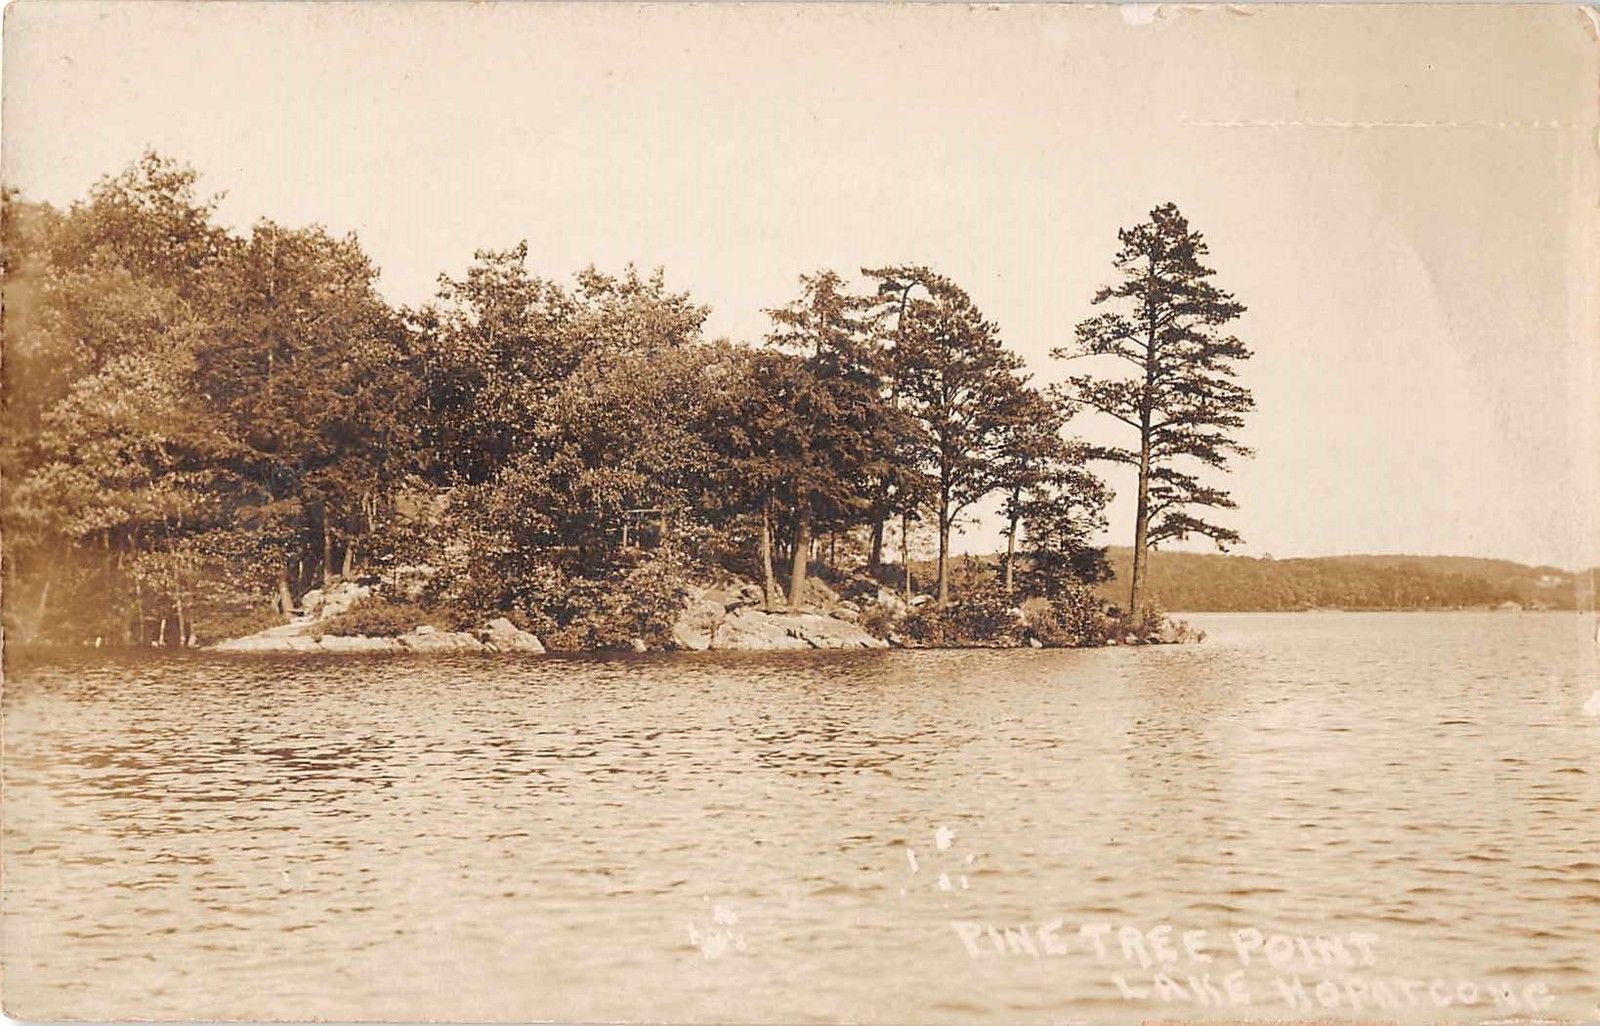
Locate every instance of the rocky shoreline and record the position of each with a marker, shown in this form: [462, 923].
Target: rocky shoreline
[301, 635]
[728, 615]
[713, 619]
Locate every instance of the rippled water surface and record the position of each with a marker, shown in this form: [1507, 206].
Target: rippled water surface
[720, 838]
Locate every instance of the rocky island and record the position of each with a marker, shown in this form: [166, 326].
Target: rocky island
[724, 615]
[583, 465]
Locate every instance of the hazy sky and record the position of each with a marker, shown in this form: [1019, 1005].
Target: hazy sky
[1404, 197]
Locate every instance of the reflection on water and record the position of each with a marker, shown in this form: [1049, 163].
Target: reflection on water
[721, 838]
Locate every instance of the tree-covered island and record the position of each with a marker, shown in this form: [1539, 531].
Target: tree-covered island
[209, 434]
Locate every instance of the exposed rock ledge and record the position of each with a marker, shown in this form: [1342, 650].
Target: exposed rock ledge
[723, 617]
[300, 635]
[717, 620]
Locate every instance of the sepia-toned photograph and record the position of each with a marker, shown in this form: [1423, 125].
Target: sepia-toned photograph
[871, 514]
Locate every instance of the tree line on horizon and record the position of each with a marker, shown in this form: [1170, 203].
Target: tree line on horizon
[201, 422]
[1195, 582]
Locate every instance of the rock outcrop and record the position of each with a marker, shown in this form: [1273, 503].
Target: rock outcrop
[752, 630]
[320, 604]
[701, 617]
[725, 619]
[303, 634]
[501, 635]
[294, 636]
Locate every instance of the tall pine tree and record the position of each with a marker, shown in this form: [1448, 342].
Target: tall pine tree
[1176, 387]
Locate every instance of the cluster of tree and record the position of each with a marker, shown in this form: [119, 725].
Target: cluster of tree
[1198, 582]
[185, 410]
[196, 419]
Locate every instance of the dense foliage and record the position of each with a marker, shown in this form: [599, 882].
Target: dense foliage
[192, 418]
[202, 424]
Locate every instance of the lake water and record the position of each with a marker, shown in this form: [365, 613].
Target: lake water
[732, 839]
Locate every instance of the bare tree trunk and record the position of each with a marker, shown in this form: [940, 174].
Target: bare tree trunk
[944, 548]
[349, 559]
[769, 587]
[285, 599]
[875, 552]
[1141, 524]
[802, 553]
[1011, 556]
[327, 550]
[905, 550]
[183, 627]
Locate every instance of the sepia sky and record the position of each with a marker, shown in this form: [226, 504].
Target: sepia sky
[1403, 197]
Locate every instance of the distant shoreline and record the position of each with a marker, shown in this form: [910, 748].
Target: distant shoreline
[1358, 610]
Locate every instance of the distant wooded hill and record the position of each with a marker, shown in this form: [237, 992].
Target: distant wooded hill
[1199, 582]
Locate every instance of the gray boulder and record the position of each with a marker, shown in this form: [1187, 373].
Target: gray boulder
[321, 604]
[501, 635]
